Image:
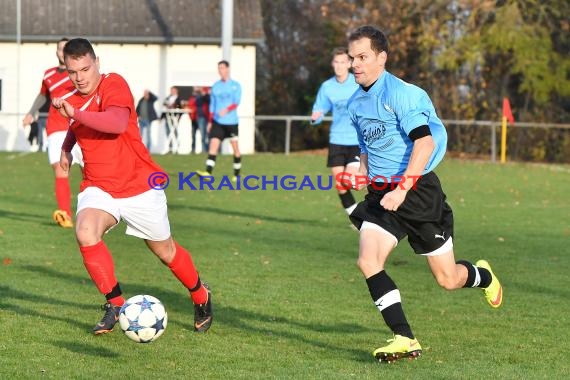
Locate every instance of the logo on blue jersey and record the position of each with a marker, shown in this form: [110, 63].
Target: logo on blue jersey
[340, 107]
[373, 130]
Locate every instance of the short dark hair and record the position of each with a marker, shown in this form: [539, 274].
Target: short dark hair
[224, 62]
[77, 48]
[378, 40]
[339, 51]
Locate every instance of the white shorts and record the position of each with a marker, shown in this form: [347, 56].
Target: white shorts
[54, 142]
[146, 214]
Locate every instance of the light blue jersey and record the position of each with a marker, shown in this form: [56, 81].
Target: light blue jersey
[332, 96]
[384, 117]
[222, 95]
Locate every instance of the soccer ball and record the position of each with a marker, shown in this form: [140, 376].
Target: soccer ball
[143, 318]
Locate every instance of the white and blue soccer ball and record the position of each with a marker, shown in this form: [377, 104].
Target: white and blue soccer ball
[143, 318]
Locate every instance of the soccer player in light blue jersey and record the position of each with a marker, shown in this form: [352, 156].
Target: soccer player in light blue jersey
[402, 140]
[344, 153]
[225, 97]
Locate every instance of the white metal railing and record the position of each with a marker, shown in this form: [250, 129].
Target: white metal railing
[493, 125]
[173, 118]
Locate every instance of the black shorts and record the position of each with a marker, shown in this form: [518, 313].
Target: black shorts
[223, 131]
[342, 155]
[424, 216]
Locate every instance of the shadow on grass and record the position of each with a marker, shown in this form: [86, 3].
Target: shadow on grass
[24, 217]
[227, 212]
[8, 292]
[526, 287]
[85, 349]
[21, 311]
[302, 332]
[40, 300]
[252, 322]
[50, 272]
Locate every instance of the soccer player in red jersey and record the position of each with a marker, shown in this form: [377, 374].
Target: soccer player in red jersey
[56, 83]
[115, 186]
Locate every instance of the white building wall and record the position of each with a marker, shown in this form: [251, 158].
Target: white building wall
[155, 67]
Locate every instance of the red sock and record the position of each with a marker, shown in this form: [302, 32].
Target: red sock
[99, 263]
[185, 271]
[63, 194]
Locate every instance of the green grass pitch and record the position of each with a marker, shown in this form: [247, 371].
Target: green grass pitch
[289, 301]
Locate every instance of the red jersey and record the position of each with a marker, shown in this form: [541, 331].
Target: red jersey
[119, 164]
[192, 106]
[55, 84]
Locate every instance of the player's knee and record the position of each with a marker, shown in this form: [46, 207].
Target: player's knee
[447, 282]
[361, 263]
[367, 265]
[85, 236]
[165, 253]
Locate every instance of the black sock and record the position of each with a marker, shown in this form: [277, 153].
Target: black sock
[210, 163]
[476, 277]
[347, 199]
[197, 286]
[237, 165]
[115, 292]
[386, 297]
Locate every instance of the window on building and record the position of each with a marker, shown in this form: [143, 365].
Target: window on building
[184, 92]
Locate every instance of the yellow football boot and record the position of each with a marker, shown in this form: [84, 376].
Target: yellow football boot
[493, 292]
[398, 348]
[62, 218]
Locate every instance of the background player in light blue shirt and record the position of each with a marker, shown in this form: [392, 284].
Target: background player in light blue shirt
[402, 140]
[225, 97]
[344, 153]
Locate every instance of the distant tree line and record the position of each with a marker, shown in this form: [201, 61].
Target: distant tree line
[467, 54]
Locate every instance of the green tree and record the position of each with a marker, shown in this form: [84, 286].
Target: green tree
[468, 54]
[513, 48]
